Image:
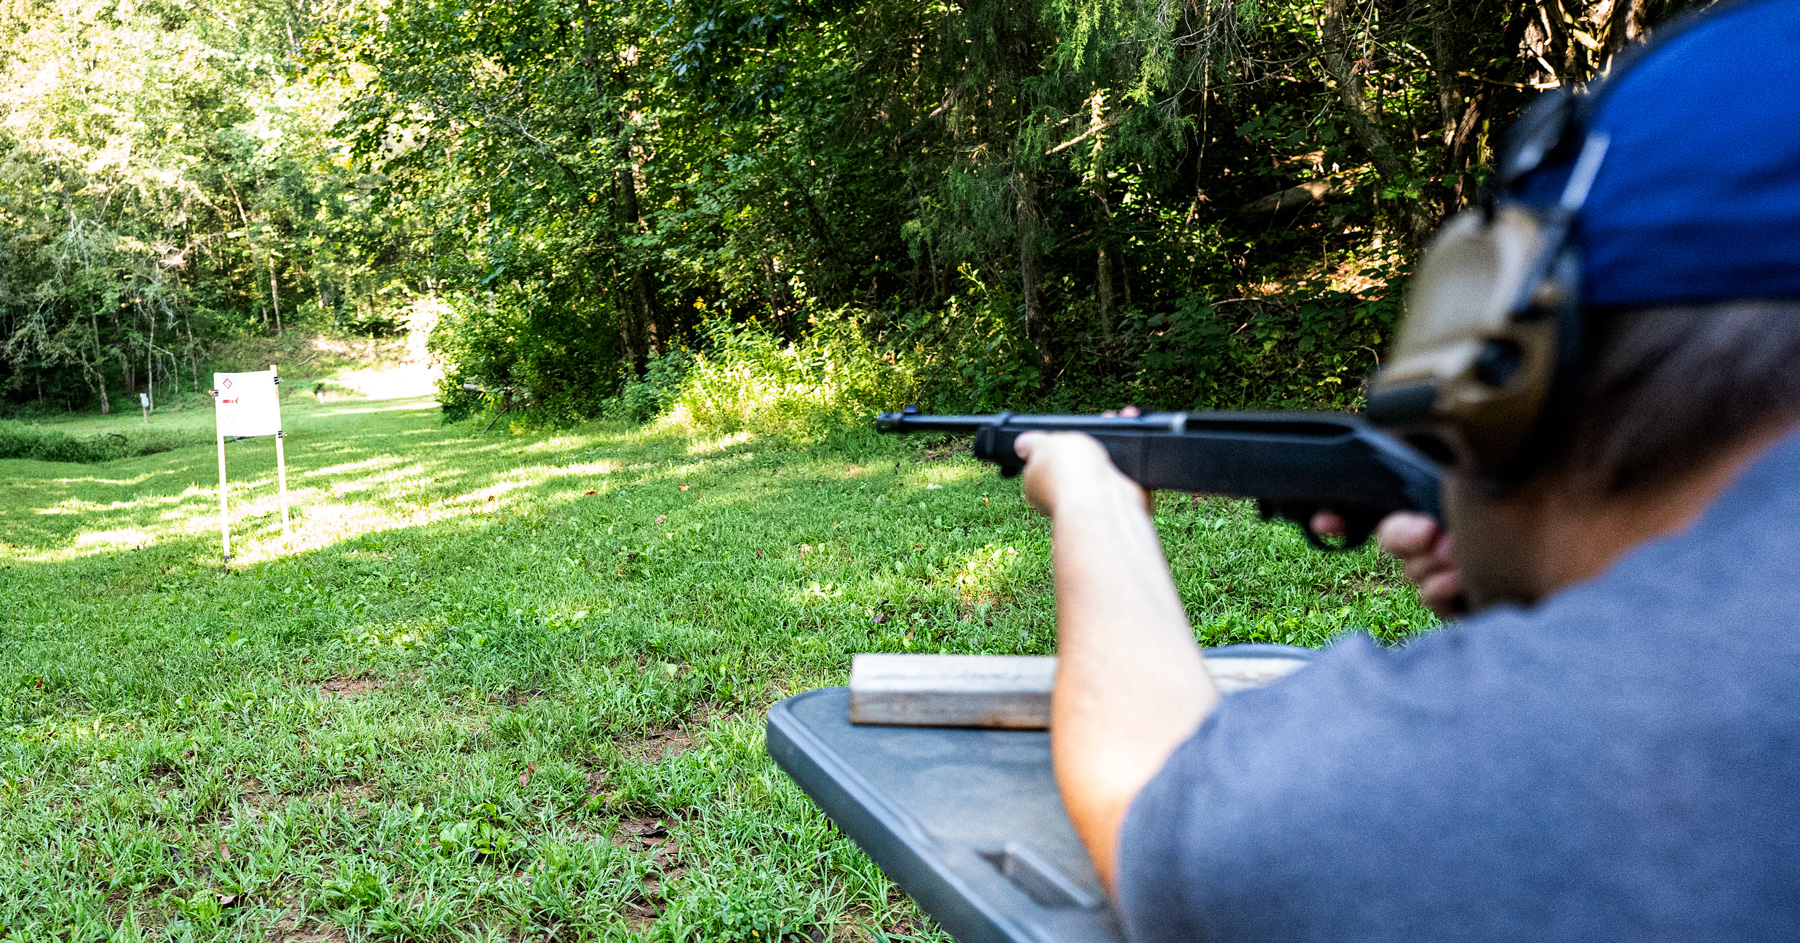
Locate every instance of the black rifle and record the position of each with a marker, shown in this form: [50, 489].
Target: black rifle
[1293, 464]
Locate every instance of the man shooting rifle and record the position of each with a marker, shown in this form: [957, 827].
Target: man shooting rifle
[1606, 361]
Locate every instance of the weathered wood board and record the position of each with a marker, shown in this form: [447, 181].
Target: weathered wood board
[993, 690]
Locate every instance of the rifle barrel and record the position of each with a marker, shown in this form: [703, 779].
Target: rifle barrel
[1292, 464]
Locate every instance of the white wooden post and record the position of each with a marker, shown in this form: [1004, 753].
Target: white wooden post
[224, 509]
[280, 456]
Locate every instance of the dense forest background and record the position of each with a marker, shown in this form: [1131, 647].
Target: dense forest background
[967, 203]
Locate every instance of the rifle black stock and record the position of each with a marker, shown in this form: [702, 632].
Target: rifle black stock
[1293, 464]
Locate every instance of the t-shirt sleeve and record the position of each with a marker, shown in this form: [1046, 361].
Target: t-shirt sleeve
[1321, 773]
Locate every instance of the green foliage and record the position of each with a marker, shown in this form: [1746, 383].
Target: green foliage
[972, 352]
[512, 686]
[1297, 352]
[22, 440]
[167, 182]
[517, 340]
[1023, 202]
[354, 890]
[747, 380]
[641, 400]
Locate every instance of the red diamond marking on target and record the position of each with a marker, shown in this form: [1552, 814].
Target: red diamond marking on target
[228, 384]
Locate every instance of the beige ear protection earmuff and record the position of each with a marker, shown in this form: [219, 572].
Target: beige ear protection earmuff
[1492, 326]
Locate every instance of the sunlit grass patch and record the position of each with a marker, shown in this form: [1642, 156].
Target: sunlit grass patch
[706, 445]
[124, 537]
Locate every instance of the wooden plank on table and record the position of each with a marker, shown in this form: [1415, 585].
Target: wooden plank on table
[1010, 691]
[951, 690]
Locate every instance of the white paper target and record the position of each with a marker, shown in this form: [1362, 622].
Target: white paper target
[248, 404]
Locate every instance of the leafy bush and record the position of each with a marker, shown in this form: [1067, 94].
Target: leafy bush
[972, 353]
[525, 338]
[1308, 351]
[18, 440]
[641, 400]
[749, 380]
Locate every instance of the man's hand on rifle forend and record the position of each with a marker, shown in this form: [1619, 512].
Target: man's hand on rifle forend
[1059, 464]
[1422, 545]
[1072, 461]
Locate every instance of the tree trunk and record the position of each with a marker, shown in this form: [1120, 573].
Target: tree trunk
[124, 356]
[193, 354]
[1443, 64]
[1125, 280]
[1103, 271]
[150, 360]
[1104, 282]
[1031, 262]
[1347, 77]
[274, 293]
[643, 298]
[646, 303]
[630, 339]
[100, 368]
[1630, 22]
[1464, 143]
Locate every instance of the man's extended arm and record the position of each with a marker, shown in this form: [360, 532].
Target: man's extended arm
[1131, 684]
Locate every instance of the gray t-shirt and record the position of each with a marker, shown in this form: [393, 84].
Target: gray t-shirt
[1621, 762]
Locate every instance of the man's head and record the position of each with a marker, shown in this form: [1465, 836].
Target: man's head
[1610, 335]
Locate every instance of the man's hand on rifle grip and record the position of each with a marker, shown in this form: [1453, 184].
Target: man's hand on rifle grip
[1423, 547]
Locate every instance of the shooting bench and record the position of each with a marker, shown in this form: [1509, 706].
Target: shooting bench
[966, 819]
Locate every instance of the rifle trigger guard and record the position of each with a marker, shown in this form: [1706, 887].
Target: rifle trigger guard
[1357, 525]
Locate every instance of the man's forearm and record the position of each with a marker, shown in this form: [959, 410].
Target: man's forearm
[1131, 684]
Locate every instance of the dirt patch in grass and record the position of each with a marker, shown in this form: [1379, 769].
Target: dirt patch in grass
[261, 800]
[848, 930]
[253, 793]
[941, 453]
[123, 907]
[658, 745]
[644, 905]
[513, 697]
[348, 687]
[319, 934]
[288, 930]
[350, 793]
[649, 834]
[638, 834]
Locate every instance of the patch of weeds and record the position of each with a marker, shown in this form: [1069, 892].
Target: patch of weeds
[354, 889]
[20, 440]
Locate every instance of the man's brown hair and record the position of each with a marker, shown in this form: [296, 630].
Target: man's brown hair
[1662, 389]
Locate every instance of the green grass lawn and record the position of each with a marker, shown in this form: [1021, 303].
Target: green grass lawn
[509, 688]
